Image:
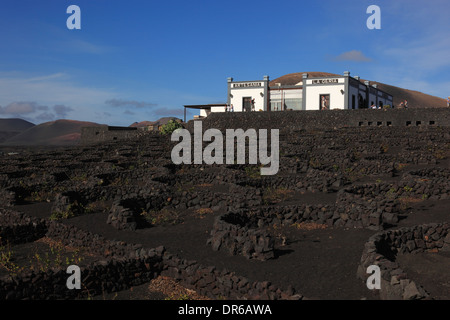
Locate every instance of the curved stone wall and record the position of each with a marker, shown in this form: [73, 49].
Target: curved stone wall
[122, 266]
[381, 250]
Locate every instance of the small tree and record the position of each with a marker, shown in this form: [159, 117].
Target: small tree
[170, 127]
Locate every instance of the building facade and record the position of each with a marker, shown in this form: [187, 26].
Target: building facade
[311, 93]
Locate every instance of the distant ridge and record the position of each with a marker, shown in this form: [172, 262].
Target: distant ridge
[12, 127]
[415, 99]
[54, 133]
[15, 125]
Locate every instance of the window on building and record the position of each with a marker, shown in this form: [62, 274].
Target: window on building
[247, 103]
[361, 103]
[324, 100]
[289, 104]
[275, 105]
[293, 104]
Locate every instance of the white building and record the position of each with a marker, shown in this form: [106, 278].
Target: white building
[311, 93]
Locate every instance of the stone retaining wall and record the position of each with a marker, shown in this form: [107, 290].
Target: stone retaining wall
[245, 232]
[237, 233]
[127, 214]
[294, 120]
[122, 266]
[382, 248]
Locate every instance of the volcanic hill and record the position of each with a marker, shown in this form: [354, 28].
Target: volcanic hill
[12, 127]
[53, 133]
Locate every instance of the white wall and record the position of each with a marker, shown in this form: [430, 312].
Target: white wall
[239, 94]
[337, 99]
[218, 109]
[203, 112]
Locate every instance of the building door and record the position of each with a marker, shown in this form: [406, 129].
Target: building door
[247, 104]
[353, 101]
[360, 102]
[324, 102]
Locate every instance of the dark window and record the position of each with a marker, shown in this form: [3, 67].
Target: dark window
[247, 104]
[360, 102]
[324, 101]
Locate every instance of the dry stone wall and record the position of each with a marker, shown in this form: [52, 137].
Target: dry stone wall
[382, 248]
[295, 120]
[122, 266]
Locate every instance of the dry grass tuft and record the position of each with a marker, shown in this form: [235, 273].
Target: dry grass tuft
[309, 226]
[172, 290]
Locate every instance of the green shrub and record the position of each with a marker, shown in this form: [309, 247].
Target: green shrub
[170, 127]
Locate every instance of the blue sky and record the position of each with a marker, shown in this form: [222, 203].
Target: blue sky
[142, 60]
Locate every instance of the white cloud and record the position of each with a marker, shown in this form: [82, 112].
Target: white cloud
[61, 111]
[166, 112]
[129, 103]
[53, 89]
[56, 95]
[422, 55]
[32, 111]
[26, 95]
[19, 108]
[48, 77]
[354, 55]
[83, 46]
[44, 117]
[415, 50]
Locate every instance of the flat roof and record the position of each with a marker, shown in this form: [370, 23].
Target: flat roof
[205, 106]
[286, 87]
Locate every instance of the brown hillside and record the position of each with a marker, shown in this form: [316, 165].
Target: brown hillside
[53, 133]
[12, 127]
[294, 78]
[415, 99]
